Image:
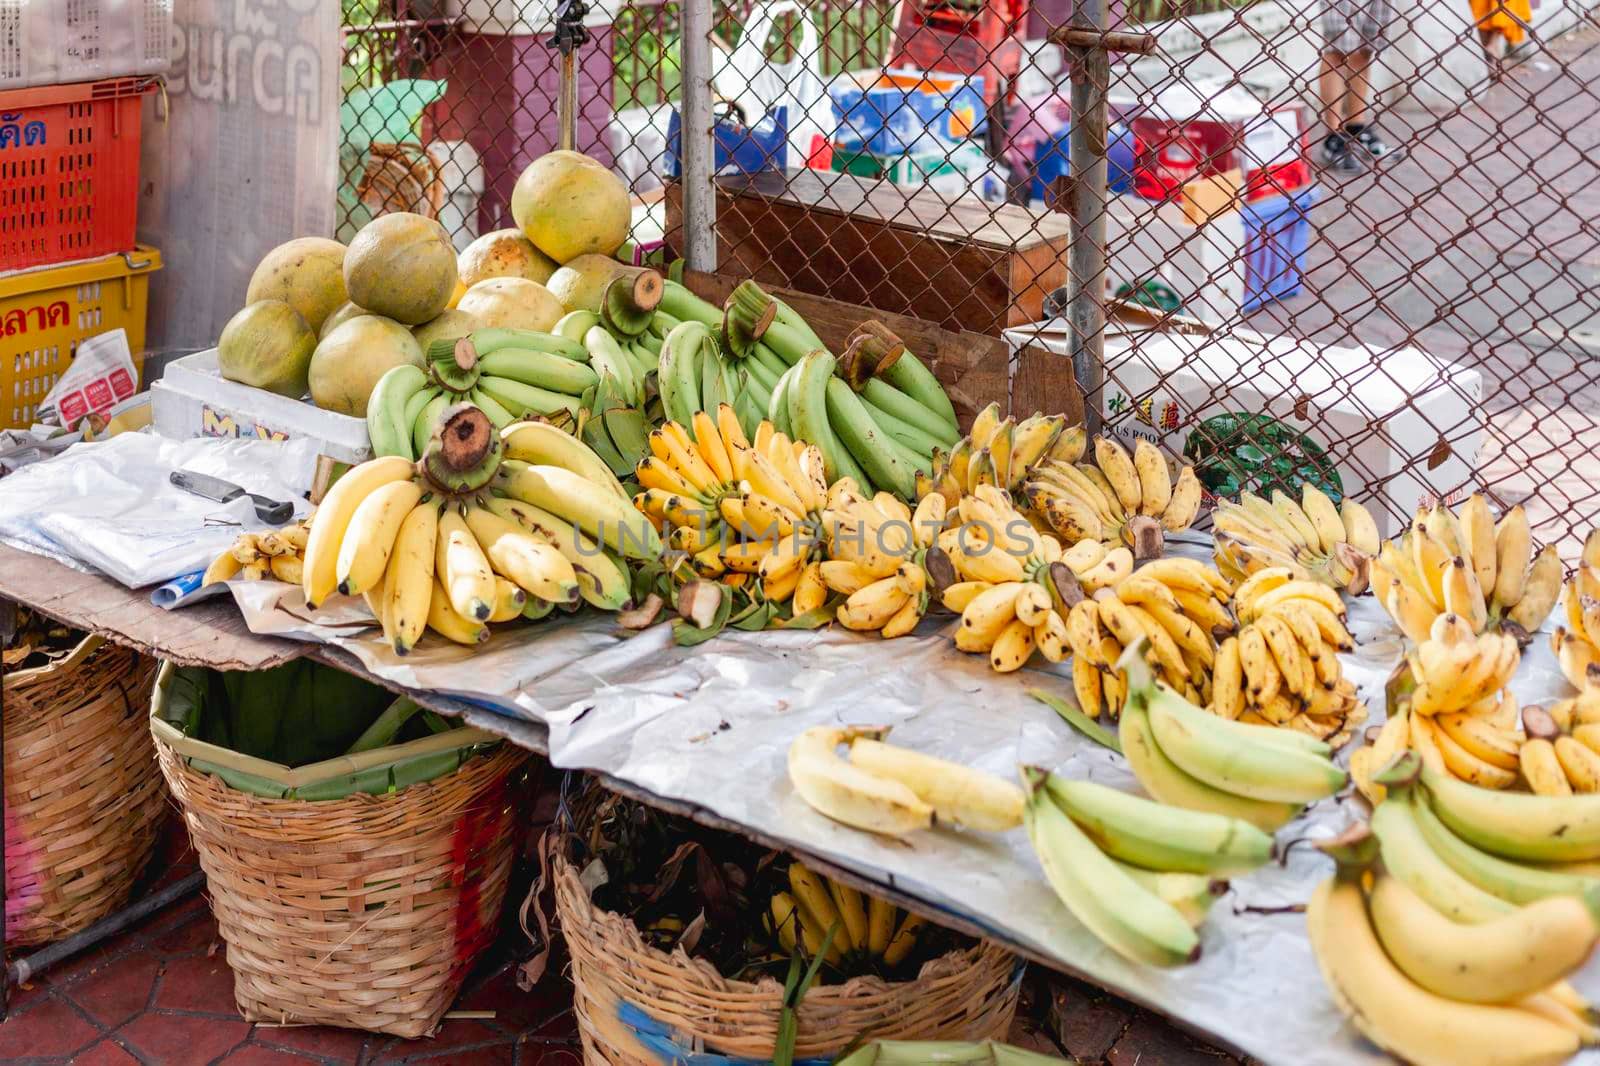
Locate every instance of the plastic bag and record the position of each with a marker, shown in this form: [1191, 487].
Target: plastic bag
[757, 85]
[108, 506]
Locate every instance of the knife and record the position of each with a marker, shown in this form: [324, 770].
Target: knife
[214, 488]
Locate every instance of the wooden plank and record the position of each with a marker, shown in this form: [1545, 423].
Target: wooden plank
[975, 369]
[964, 265]
[211, 633]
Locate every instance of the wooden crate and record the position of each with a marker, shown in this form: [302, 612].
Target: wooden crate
[975, 370]
[964, 265]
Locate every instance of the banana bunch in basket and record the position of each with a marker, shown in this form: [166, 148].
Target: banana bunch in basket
[1282, 667]
[865, 928]
[1177, 606]
[1469, 565]
[254, 556]
[1577, 644]
[1312, 538]
[1119, 499]
[485, 527]
[735, 507]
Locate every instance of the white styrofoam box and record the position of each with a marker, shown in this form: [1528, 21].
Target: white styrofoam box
[460, 171]
[516, 18]
[1380, 415]
[1204, 265]
[193, 399]
[48, 42]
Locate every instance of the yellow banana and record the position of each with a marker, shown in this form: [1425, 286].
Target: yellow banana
[1513, 552]
[1114, 462]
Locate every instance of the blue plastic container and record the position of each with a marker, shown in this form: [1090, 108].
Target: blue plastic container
[894, 112]
[1055, 153]
[1277, 234]
[739, 148]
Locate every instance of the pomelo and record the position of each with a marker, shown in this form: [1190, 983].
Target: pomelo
[267, 344]
[504, 253]
[343, 313]
[401, 266]
[451, 325]
[568, 204]
[512, 303]
[580, 285]
[349, 361]
[307, 273]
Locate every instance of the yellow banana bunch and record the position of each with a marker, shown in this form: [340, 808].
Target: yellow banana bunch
[1577, 644]
[1282, 668]
[1119, 499]
[254, 556]
[1561, 753]
[486, 527]
[1469, 565]
[876, 558]
[1178, 605]
[866, 929]
[1000, 452]
[733, 506]
[1313, 537]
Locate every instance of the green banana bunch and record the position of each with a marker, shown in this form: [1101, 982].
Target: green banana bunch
[697, 376]
[510, 374]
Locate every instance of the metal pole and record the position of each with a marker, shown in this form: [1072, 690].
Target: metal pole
[567, 103]
[1086, 209]
[699, 196]
[31, 966]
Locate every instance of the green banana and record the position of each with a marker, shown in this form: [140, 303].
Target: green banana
[521, 400]
[575, 325]
[1192, 894]
[422, 428]
[890, 400]
[778, 404]
[1126, 916]
[1511, 881]
[747, 385]
[712, 380]
[606, 357]
[1231, 762]
[678, 379]
[807, 396]
[685, 306]
[748, 412]
[912, 377]
[493, 339]
[866, 443]
[1407, 855]
[788, 316]
[1166, 781]
[770, 361]
[413, 410]
[387, 428]
[498, 415]
[911, 443]
[1158, 837]
[759, 373]
[542, 369]
[1518, 825]
[592, 507]
[536, 608]
[646, 358]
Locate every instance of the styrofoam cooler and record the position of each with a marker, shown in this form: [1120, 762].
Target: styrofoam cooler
[1379, 414]
[1204, 266]
[1199, 127]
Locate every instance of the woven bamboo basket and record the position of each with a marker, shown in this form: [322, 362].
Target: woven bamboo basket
[83, 800]
[364, 912]
[969, 994]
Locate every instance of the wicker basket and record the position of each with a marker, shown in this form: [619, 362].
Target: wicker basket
[83, 801]
[364, 912]
[965, 995]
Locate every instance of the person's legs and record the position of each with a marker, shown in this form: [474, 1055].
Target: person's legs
[1357, 87]
[1331, 88]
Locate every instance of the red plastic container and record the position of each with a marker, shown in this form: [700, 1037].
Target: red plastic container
[69, 171]
[1201, 133]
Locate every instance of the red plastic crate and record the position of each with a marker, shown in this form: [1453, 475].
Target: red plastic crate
[69, 171]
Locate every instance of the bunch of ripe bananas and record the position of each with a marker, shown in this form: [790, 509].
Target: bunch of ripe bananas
[1560, 752]
[1445, 953]
[1313, 538]
[1001, 453]
[1468, 565]
[1176, 606]
[1117, 499]
[1282, 667]
[254, 556]
[732, 506]
[1577, 644]
[865, 928]
[485, 527]
[877, 552]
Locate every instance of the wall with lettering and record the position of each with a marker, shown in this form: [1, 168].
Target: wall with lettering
[245, 158]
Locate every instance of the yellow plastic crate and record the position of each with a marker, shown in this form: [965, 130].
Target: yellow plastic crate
[45, 314]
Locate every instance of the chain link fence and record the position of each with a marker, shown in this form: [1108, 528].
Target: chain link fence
[1362, 233]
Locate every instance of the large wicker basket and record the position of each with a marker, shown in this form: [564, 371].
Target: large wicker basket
[83, 800]
[620, 980]
[364, 912]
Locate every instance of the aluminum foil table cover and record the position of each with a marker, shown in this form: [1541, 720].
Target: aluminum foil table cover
[711, 725]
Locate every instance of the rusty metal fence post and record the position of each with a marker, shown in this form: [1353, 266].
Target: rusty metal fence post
[699, 197]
